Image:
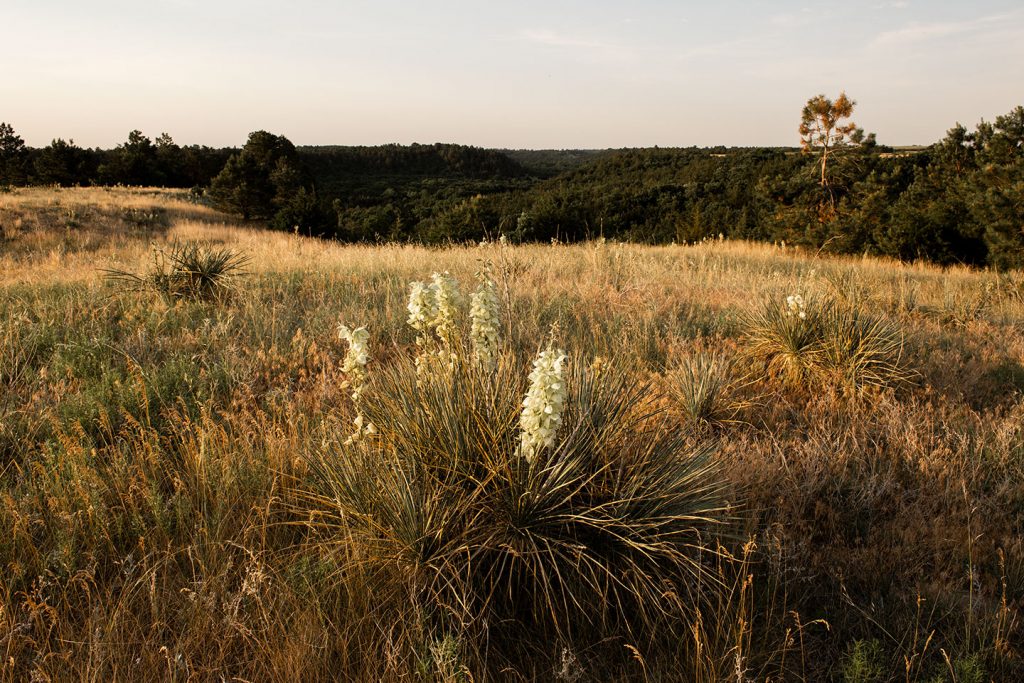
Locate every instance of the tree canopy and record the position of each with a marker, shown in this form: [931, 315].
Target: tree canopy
[960, 200]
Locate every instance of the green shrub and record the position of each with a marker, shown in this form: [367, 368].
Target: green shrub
[969, 670]
[863, 662]
[187, 271]
[825, 340]
[600, 531]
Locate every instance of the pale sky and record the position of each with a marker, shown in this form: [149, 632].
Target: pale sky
[514, 73]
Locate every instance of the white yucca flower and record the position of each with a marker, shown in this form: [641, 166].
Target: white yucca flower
[364, 428]
[434, 306]
[484, 312]
[357, 357]
[422, 306]
[795, 306]
[542, 407]
[446, 293]
[354, 367]
[422, 309]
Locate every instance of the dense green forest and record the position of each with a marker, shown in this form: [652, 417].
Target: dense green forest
[960, 200]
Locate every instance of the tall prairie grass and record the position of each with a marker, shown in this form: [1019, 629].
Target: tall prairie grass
[177, 501]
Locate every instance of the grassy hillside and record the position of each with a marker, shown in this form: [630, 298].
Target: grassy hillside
[744, 487]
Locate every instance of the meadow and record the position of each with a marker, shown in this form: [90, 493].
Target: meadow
[772, 465]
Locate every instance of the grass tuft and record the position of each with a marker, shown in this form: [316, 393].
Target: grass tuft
[828, 341]
[186, 271]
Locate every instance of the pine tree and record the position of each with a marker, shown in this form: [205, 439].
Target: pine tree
[13, 157]
[821, 131]
[257, 180]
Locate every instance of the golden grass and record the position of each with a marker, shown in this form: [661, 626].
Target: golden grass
[153, 457]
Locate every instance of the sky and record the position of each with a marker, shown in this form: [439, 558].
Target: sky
[508, 74]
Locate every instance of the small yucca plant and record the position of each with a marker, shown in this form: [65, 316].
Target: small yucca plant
[704, 387]
[861, 351]
[786, 336]
[963, 305]
[600, 529]
[189, 271]
[828, 340]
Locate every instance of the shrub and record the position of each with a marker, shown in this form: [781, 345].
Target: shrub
[186, 271]
[829, 341]
[458, 527]
[704, 387]
[787, 338]
[863, 662]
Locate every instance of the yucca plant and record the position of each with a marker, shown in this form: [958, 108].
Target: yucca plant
[187, 270]
[964, 304]
[829, 341]
[861, 351]
[704, 388]
[786, 336]
[601, 531]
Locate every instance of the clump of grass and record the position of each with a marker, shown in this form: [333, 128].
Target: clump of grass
[848, 287]
[599, 531]
[704, 386]
[786, 337]
[186, 271]
[828, 340]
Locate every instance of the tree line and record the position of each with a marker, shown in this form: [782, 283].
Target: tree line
[139, 161]
[959, 200]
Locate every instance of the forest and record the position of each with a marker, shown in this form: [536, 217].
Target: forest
[957, 201]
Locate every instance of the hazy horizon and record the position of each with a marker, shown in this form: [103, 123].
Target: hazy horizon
[569, 75]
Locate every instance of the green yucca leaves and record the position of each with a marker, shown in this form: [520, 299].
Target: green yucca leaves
[594, 532]
[835, 341]
[787, 342]
[704, 387]
[186, 271]
[860, 350]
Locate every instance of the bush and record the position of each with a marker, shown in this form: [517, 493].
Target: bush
[599, 532]
[863, 662]
[186, 271]
[827, 340]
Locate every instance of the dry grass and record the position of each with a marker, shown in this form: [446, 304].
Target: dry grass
[155, 479]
